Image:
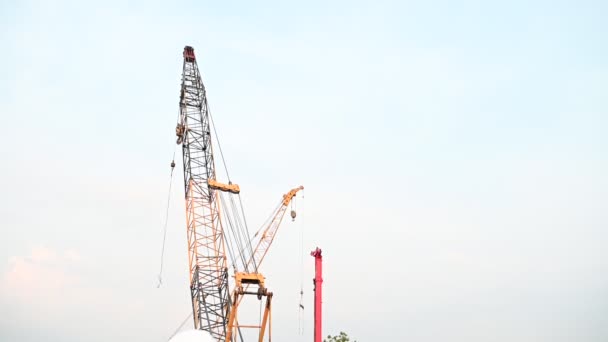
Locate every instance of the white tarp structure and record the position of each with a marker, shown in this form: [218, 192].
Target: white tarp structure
[192, 336]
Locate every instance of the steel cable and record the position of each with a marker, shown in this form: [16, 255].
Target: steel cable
[180, 326]
[162, 252]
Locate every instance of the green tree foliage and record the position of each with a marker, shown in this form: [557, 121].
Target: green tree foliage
[338, 338]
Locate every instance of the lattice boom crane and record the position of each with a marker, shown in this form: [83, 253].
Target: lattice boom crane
[212, 231]
[206, 250]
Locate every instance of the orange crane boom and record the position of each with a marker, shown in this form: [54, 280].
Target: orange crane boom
[270, 232]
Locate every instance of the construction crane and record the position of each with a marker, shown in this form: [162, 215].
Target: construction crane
[244, 279]
[206, 249]
[215, 225]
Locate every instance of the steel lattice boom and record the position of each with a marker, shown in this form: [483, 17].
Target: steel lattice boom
[206, 250]
[214, 307]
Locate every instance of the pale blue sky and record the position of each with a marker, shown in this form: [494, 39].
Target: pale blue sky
[454, 157]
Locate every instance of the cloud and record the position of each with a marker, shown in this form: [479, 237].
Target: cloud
[42, 273]
[55, 287]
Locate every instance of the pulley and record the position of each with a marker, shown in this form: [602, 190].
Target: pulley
[179, 132]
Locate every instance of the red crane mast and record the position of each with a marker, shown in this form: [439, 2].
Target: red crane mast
[318, 283]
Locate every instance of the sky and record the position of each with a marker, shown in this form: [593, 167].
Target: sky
[454, 158]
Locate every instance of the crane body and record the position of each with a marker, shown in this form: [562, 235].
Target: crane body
[206, 249]
[213, 230]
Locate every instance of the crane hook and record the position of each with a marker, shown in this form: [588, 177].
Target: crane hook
[293, 215]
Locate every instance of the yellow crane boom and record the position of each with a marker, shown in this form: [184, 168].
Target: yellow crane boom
[244, 279]
[260, 250]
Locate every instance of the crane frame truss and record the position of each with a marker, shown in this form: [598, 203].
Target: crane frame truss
[242, 278]
[206, 251]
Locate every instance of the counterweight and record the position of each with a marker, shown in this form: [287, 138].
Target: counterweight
[206, 250]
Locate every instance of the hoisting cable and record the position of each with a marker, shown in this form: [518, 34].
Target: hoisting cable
[243, 233]
[218, 142]
[227, 236]
[180, 326]
[239, 232]
[236, 237]
[242, 230]
[255, 266]
[301, 305]
[162, 252]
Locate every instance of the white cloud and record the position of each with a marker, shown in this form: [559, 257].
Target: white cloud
[42, 273]
[67, 294]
